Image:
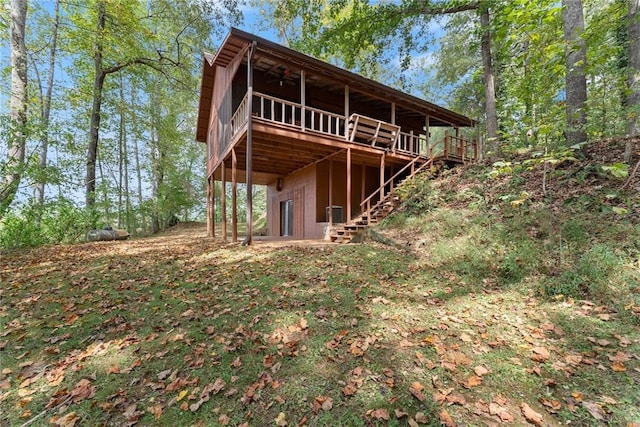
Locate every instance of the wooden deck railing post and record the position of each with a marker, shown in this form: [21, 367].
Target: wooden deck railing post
[446, 144]
[303, 100]
[464, 149]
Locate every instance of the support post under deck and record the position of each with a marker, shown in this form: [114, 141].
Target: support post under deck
[249, 165]
[223, 200]
[382, 158]
[234, 196]
[349, 185]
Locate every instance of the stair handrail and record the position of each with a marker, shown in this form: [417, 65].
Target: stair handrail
[367, 201]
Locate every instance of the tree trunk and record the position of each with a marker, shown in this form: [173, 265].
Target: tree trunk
[125, 154]
[633, 79]
[46, 106]
[489, 87]
[138, 170]
[121, 154]
[156, 171]
[136, 154]
[18, 106]
[94, 124]
[576, 82]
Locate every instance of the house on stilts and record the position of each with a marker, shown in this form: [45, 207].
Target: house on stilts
[329, 145]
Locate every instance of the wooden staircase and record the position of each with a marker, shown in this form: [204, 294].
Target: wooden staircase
[372, 213]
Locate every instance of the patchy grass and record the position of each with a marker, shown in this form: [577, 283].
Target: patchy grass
[182, 330]
[487, 309]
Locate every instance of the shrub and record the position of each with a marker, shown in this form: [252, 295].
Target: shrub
[32, 225]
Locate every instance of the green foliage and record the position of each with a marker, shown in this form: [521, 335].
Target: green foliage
[592, 276]
[527, 46]
[32, 225]
[511, 238]
[617, 170]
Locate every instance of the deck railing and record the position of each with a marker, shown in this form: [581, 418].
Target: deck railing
[412, 143]
[368, 203]
[293, 114]
[324, 122]
[459, 147]
[307, 118]
[239, 118]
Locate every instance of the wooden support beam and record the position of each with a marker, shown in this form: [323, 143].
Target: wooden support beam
[330, 192]
[363, 183]
[427, 132]
[349, 186]
[211, 204]
[249, 160]
[213, 200]
[234, 196]
[346, 102]
[446, 144]
[393, 113]
[382, 158]
[223, 200]
[303, 100]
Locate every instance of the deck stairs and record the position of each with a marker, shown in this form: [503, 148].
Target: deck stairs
[374, 213]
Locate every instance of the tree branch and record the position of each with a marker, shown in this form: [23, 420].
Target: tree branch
[429, 9]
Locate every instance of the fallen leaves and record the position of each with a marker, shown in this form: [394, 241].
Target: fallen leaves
[595, 410]
[245, 355]
[481, 371]
[530, 415]
[446, 419]
[540, 354]
[68, 420]
[82, 390]
[472, 381]
[322, 402]
[500, 411]
[380, 414]
[281, 420]
[416, 390]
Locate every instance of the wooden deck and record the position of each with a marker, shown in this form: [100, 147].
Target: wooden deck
[325, 128]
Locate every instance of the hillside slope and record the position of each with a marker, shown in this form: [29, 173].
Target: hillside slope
[493, 307]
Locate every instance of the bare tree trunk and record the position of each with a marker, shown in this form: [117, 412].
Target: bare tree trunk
[105, 196]
[120, 153]
[489, 87]
[94, 124]
[18, 106]
[156, 171]
[576, 81]
[46, 106]
[136, 158]
[633, 79]
[136, 154]
[125, 154]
